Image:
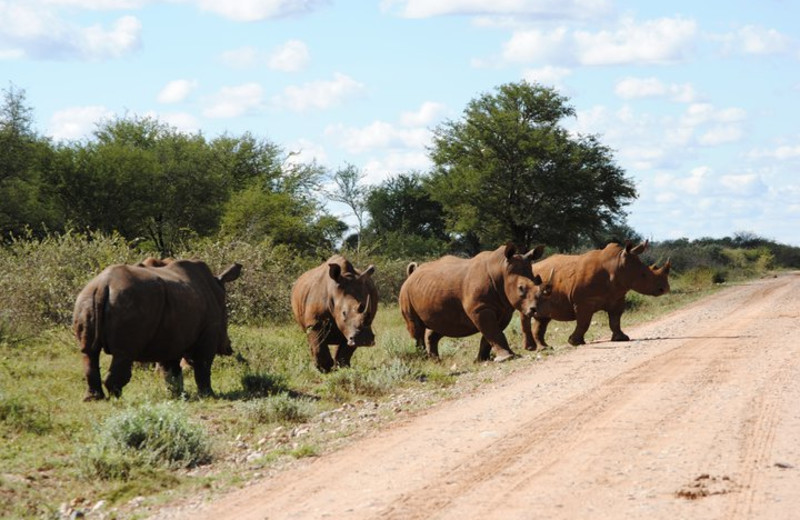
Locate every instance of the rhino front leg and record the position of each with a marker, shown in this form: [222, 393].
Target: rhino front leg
[119, 374]
[173, 376]
[320, 351]
[528, 343]
[344, 353]
[91, 369]
[488, 326]
[614, 319]
[539, 331]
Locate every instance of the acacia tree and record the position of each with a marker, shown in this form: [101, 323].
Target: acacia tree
[508, 171]
[348, 190]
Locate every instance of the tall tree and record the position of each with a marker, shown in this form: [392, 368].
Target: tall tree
[25, 202]
[348, 190]
[508, 171]
[404, 220]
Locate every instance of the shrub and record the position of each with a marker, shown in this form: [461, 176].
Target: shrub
[263, 384]
[372, 382]
[149, 436]
[22, 417]
[280, 408]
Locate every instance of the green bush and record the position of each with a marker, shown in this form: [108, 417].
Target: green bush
[20, 416]
[281, 408]
[158, 435]
[263, 384]
[373, 382]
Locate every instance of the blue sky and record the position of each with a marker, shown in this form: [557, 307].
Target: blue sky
[699, 100]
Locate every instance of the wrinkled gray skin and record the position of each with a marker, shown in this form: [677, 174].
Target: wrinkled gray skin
[457, 297]
[153, 312]
[334, 303]
[594, 281]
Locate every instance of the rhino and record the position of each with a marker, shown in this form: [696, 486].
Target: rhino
[456, 297]
[594, 281]
[155, 311]
[334, 303]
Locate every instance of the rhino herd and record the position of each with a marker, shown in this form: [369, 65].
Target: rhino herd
[169, 311]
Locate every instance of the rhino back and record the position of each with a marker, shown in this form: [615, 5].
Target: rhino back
[310, 296]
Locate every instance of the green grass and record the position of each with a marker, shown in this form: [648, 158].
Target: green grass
[55, 448]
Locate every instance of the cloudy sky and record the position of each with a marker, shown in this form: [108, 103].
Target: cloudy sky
[699, 100]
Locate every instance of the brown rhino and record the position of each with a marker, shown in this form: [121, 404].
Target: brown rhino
[158, 313]
[456, 297]
[335, 304]
[594, 281]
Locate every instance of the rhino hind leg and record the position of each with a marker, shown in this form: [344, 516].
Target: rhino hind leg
[173, 376]
[91, 369]
[119, 374]
[432, 340]
[202, 376]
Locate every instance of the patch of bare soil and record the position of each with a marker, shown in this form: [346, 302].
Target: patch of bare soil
[697, 417]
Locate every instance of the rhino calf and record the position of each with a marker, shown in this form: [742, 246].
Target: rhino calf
[334, 303]
[594, 281]
[153, 312]
[456, 297]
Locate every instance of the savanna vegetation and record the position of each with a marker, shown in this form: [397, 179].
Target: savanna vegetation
[140, 188]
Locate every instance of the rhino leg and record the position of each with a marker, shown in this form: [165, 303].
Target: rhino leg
[119, 374]
[416, 329]
[173, 375]
[539, 331]
[488, 326]
[344, 353]
[614, 317]
[320, 352]
[91, 369]
[432, 341]
[202, 376]
[528, 342]
[584, 319]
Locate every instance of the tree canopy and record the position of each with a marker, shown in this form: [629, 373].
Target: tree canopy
[507, 170]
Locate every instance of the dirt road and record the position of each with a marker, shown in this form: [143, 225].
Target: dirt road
[697, 417]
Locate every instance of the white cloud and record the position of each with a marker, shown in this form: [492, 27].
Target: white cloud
[304, 151]
[633, 88]
[660, 41]
[98, 5]
[781, 152]
[745, 185]
[258, 10]
[319, 94]
[241, 58]
[235, 101]
[535, 45]
[721, 134]
[542, 9]
[291, 56]
[548, 75]
[756, 40]
[38, 32]
[176, 91]
[665, 40]
[428, 113]
[394, 163]
[378, 135]
[77, 122]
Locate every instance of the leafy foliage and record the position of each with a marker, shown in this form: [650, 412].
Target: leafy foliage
[507, 170]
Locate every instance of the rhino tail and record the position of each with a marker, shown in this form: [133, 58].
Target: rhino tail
[410, 268]
[97, 319]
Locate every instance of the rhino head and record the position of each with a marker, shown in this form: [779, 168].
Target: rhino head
[524, 290]
[353, 303]
[652, 280]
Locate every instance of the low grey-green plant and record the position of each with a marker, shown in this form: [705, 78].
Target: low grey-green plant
[151, 435]
[281, 408]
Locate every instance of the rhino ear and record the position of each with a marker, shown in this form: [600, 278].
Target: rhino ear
[230, 274]
[369, 271]
[537, 280]
[510, 250]
[335, 272]
[534, 253]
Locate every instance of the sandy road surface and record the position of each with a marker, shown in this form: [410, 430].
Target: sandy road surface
[698, 417]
